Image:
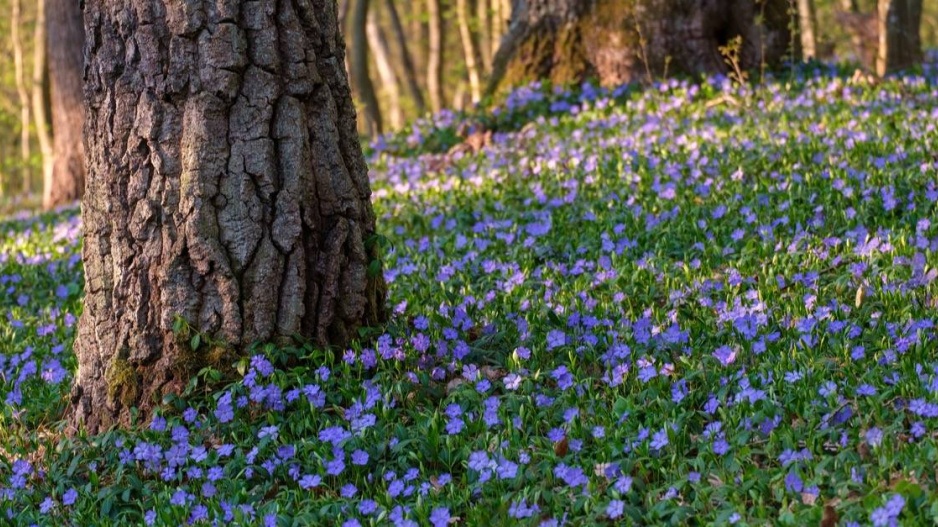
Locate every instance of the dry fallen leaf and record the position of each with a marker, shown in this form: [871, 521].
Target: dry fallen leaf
[561, 447]
[830, 517]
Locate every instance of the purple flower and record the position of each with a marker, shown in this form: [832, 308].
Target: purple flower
[874, 436]
[615, 508]
[359, 457]
[725, 355]
[439, 517]
[660, 439]
[793, 482]
[69, 497]
[555, 339]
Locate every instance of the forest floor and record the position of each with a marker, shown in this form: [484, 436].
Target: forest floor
[687, 304]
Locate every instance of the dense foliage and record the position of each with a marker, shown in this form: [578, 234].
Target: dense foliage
[705, 304]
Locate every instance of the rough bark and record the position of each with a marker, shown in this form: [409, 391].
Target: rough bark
[806, 29]
[16, 21]
[358, 62]
[435, 55]
[66, 37]
[407, 63]
[617, 41]
[378, 44]
[900, 44]
[226, 189]
[40, 112]
[470, 47]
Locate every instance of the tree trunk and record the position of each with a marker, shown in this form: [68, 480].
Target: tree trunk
[470, 49]
[65, 43]
[485, 33]
[900, 44]
[806, 29]
[379, 46]
[499, 23]
[227, 194]
[863, 30]
[407, 63]
[361, 79]
[40, 113]
[435, 55]
[617, 41]
[417, 35]
[16, 20]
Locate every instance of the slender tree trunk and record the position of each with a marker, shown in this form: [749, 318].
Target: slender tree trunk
[3, 175]
[407, 64]
[16, 21]
[344, 6]
[485, 34]
[41, 116]
[806, 29]
[618, 41]
[417, 30]
[66, 41]
[389, 84]
[361, 79]
[900, 44]
[227, 195]
[499, 19]
[470, 49]
[435, 55]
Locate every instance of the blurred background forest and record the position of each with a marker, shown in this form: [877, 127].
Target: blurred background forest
[407, 59]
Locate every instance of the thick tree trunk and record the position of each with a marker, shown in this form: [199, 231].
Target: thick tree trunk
[806, 29]
[900, 44]
[361, 79]
[19, 71]
[378, 44]
[226, 189]
[470, 49]
[66, 40]
[435, 55]
[617, 41]
[407, 63]
[40, 113]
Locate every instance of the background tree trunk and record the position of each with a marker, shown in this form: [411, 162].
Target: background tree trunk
[900, 44]
[570, 40]
[389, 84]
[863, 31]
[470, 49]
[16, 20]
[40, 114]
[66, 38]
[417, 34]
[361, 79]
[483, 22]
[407, 63]
[806, 29]
[435, 55]
[226, 189]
